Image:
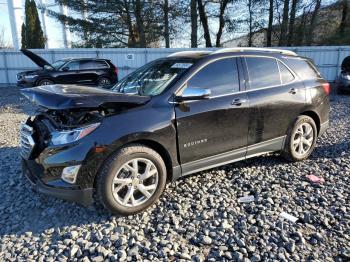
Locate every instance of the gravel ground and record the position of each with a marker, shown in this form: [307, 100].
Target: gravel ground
[198, 218]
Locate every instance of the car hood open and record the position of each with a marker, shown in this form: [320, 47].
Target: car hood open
[70, 97]
[35, 58]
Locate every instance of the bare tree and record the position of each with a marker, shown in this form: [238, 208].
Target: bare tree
[204, 20]
[269, 28]
[309, 38]
[291, 22]
[166, 23]
[284, 25]
[194, 24]
[223, 5]
[344, 16]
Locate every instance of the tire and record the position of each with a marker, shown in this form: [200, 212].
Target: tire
[297, 151]
[103, 81]
[45, 82]
[128, 182]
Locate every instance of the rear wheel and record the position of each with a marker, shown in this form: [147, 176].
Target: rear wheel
[131, 181]
[301, 139]
[45, 82]
[103, 81]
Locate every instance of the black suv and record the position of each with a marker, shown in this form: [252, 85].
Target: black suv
[175, 116]
[84, 71]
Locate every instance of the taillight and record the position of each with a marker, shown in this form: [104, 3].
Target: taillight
[116, 70]
[326, 88]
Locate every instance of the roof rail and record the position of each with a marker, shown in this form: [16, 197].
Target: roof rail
[190, 53]
[255, 49]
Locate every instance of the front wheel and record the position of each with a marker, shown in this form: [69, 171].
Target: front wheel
[45, 82]
[131, 180]
[301, 139]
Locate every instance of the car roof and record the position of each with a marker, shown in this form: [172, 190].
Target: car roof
[199, 54]
[83, 58]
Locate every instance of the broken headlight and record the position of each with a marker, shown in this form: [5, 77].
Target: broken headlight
[69, 136]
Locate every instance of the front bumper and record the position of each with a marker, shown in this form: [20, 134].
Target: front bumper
[25, 83]
[57, 188]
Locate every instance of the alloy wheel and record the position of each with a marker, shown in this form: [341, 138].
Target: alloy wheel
[104, 82]
[303, 139]
[135, 182]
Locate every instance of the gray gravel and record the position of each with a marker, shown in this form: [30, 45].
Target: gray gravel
[198, 218]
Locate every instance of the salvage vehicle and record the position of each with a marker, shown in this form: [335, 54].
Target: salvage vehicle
[175, 116]
[343, 80]
[83, 71]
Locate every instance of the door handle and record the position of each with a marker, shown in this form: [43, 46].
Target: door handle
[292, 91]
[238, 102]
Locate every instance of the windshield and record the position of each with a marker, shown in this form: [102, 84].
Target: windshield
[153, 78]
[58, 64]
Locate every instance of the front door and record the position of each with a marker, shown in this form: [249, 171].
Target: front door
[214, 130]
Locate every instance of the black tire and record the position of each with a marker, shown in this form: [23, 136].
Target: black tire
[44, 82]
[288, 151]
[103, 187]
[103, 81]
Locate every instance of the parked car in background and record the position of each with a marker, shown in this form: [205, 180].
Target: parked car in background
[82, 71]
[343, 80]
[172, 117]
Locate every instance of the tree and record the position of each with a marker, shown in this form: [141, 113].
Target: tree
[223, 5]
[344, 17]
[269, 28]
[310, 34]
[32, 32]
[291, 22]
[204, 20]
[284, 25]
[194, 24]
[23, 36]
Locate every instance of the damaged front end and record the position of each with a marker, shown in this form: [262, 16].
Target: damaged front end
[57, 127]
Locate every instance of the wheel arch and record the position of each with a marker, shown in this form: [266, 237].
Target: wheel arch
[314, 117]
[156, 146]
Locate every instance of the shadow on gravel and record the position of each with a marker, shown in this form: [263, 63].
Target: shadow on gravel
[330, 151]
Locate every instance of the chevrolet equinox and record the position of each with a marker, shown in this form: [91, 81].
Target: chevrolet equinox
[172, 117]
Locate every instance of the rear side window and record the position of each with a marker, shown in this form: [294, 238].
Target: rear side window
[100, 64]
[220, 76]
[303, 68]
[263, 72]
[286, 75]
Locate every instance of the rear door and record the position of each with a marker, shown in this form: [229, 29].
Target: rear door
[90, 70]
[213, 130]
[276, 98]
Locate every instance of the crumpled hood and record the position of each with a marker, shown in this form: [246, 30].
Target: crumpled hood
[71, 96]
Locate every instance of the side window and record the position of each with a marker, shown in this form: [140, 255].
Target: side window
[220, 76]
[286, 75]
[303, 68]
[74, 65]
[100, 64]
[263, 72]
[86, 64]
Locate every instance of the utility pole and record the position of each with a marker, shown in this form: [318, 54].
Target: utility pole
[16, 20]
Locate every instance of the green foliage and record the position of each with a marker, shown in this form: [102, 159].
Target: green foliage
[23, 36]
[32, 33]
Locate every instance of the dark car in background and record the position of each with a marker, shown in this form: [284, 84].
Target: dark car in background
[83, 71]
[172, 117]
[343, 80]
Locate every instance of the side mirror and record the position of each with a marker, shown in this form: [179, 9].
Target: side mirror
[66, 68]
[191, 93]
